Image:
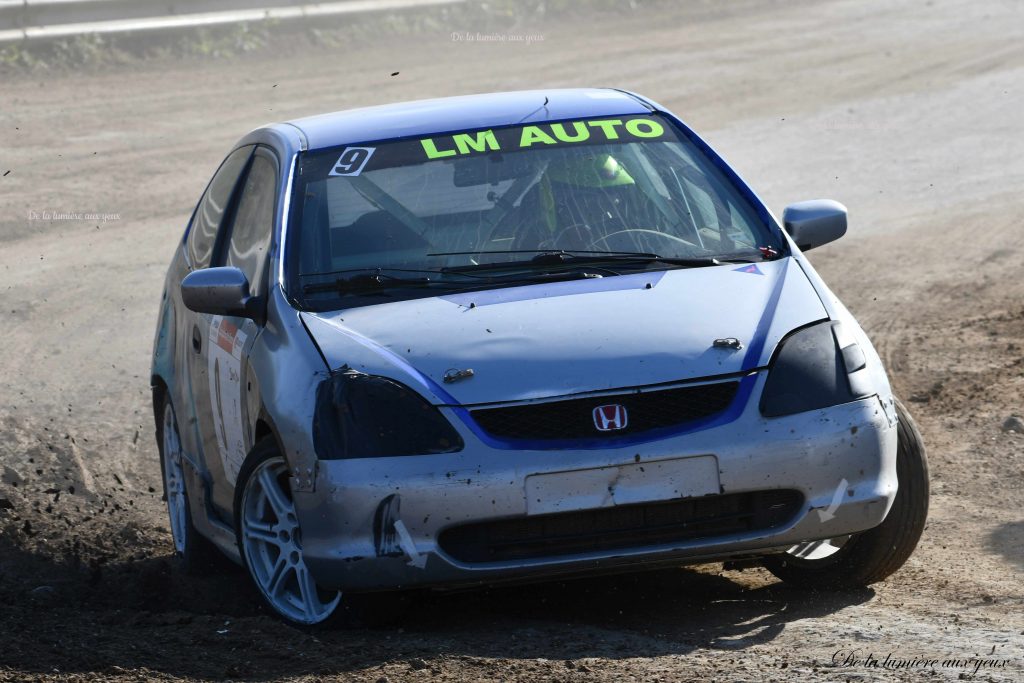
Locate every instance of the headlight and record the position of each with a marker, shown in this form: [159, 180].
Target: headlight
[366, 416]
[815, 367]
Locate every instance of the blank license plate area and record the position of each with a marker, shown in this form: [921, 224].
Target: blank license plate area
[644, 482]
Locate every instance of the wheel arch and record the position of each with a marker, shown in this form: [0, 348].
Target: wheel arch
[264, 427]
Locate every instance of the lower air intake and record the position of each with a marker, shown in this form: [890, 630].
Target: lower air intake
[617, 528]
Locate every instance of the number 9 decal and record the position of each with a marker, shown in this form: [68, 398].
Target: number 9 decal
[352, 160]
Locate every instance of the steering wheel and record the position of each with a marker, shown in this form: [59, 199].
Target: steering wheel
[642, 231]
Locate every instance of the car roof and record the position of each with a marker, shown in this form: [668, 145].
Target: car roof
[450, 114]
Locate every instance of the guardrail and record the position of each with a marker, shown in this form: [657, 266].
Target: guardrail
[34, 19]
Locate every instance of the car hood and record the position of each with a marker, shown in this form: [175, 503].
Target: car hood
[563, 338]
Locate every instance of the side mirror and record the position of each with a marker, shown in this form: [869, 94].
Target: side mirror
[220, 291]
[815, 222]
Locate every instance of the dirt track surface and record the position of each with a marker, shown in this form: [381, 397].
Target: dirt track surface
[909, 114]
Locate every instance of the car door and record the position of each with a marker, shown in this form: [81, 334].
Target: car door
[243, 243]
[200, 243]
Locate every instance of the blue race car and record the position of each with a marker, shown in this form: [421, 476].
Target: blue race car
[513, 336]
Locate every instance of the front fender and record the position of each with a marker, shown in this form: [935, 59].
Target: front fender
[286, 369]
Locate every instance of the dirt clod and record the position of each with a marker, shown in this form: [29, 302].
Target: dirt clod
[1014, 423]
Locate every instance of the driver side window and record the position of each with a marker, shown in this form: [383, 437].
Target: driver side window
[202, 233]
[253, 224]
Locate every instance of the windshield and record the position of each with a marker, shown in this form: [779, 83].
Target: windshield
[426, 213]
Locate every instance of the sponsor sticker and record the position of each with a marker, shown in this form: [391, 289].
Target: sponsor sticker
[356, 161]
[225, 360]
[542, 135]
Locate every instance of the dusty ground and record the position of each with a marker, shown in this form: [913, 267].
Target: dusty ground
[907, 112]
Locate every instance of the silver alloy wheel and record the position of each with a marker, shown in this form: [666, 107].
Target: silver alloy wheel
[818, 550]
[174, 480]
[272, 543]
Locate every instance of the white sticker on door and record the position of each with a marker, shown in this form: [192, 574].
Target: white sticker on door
[225, 362]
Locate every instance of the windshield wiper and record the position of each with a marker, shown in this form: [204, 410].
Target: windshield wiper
[366, 282]
[574, 257]
[527, 251]
[558, 257]
[379, 283]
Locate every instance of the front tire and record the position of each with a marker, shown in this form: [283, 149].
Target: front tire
[197, 555]
[870, 556]
[270, 541]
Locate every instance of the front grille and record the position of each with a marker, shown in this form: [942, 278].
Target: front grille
[573, 418]
[624, 526]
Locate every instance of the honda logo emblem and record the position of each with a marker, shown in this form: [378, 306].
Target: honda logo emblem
[610, 418]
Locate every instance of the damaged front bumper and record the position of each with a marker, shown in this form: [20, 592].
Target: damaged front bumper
[482, 515]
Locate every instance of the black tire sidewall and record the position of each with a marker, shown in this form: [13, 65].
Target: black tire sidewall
[873, 555]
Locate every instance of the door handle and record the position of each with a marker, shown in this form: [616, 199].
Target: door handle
[197, 341]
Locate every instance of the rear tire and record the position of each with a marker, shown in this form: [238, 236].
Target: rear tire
[872, 555]
[196, 554]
